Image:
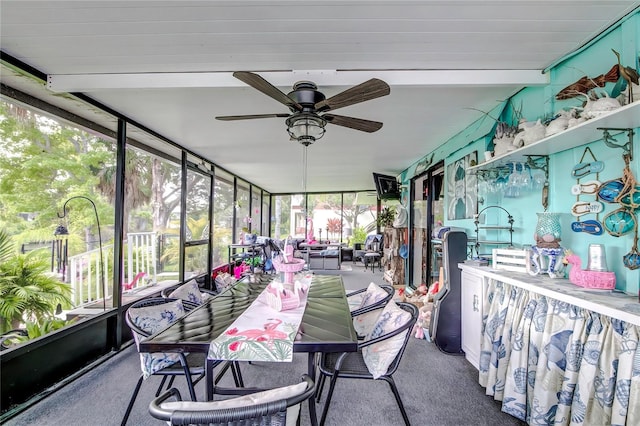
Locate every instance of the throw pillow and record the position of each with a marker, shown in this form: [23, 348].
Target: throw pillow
[246, 400]
[363, 323]
[373, 294]
[188, 291]
[379, 356]
[153, 319]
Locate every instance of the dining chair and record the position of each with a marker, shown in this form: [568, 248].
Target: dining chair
[190, 291]
[370, 301]
[368, 298]
[378, 355]
[278, 406]
[148, 316]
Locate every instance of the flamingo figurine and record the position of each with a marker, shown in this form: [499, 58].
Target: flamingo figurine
[280, 298]
[132, 284]
[589, 279]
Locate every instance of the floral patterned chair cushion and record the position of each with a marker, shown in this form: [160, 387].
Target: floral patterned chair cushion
[152, 319]
[379, 356]
[189, 291]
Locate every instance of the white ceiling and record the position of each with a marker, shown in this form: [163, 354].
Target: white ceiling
[444, 60]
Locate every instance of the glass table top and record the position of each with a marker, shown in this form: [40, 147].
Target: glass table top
[326, 324]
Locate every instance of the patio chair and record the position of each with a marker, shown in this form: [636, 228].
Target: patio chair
[190, 291]
[279, 406]
[372, 252]
[146, 317]
[369, 298]
[378, 355]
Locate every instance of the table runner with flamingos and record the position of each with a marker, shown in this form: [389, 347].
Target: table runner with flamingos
[261, 333]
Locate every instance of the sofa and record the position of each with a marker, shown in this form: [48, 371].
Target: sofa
[324, 259]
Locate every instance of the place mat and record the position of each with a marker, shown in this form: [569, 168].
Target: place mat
[260, 333]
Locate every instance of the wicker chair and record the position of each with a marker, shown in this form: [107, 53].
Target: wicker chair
[191, 366]
[351, 365]
[272, 407]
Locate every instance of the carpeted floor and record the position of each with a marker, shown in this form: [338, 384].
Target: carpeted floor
[437, 389]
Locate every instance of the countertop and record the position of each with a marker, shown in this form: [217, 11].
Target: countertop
[615, 304]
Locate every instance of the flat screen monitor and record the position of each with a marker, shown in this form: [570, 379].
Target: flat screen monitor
[386, 187]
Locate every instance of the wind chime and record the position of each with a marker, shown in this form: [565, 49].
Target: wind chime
[60, 251]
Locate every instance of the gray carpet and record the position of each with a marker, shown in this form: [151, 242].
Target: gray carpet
[437, 389]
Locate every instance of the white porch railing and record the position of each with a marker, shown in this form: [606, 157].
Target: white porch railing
[142, 257]
[84, 276]
[84, 271]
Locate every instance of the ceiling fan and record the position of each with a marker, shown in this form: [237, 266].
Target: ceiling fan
[309, 106]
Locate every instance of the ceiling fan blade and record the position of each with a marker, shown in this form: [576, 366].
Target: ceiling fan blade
[259, 83]
[249, 117]
[353, 123]
[366, 91]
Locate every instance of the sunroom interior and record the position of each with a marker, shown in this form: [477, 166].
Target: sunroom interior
[119, 176]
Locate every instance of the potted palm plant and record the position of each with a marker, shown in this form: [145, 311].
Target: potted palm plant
[386, 217]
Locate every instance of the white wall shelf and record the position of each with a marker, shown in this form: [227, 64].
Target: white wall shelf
[626, 117]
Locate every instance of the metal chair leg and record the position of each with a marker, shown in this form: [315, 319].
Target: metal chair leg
[325, 410]
[131, 401]
[320, 386]
[237, 374]
[394, 389]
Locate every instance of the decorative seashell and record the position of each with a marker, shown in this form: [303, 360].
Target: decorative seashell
[530, 132]
[560, 123]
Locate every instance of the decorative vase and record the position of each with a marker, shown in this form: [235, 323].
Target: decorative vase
[548, 230]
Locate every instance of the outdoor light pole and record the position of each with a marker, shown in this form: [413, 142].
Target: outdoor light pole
[102, 266]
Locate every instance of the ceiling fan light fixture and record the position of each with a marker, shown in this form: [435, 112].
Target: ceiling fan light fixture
[306, 128]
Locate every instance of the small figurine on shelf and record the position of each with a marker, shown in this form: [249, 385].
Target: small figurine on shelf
[546, 256]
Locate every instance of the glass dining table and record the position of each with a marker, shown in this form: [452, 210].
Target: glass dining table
[326, 323]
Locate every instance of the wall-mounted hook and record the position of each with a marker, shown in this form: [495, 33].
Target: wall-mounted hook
[607, 138]
[539, 162]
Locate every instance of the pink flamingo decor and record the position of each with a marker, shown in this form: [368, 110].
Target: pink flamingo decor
[267, 333]
[287, 263]
[282, 297]
[132, 284]
[589, 279]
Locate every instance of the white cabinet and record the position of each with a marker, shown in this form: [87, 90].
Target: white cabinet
[471, 306]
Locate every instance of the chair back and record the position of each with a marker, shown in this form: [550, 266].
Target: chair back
[240, 411]
[152, 301]
[198, 296]
[375, 305]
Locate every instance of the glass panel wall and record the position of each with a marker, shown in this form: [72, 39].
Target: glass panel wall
[223, 207]
[325, 222]
[256, 206]
[419, 237]
[56, 216]
[152, 248]
[243, 212]
[198, 221]
[264, 226]
[359, 210]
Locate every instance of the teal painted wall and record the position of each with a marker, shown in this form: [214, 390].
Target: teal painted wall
[539, 102]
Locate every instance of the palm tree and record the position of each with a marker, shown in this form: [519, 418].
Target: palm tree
[27, 292]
